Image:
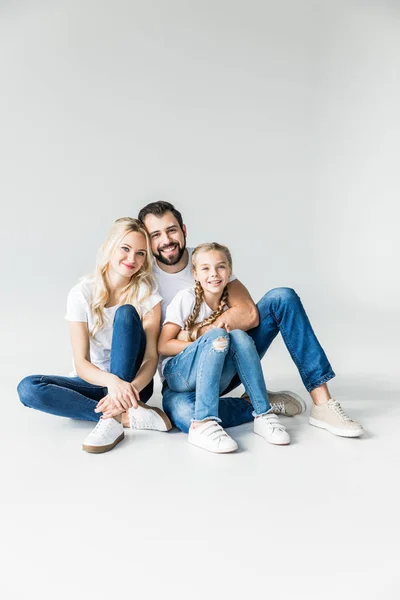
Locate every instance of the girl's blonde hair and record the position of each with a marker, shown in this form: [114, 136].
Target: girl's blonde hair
[190, 325]
[129, 294]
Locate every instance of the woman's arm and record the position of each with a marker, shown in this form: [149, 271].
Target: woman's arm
[168, 345]
[151, 326]
[120, 391]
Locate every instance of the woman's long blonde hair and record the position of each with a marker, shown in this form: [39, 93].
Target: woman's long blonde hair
[190, 325]
[129, 294]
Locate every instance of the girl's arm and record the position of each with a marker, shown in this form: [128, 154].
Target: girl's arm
[151, 326]
[168, 345]
[120, 391]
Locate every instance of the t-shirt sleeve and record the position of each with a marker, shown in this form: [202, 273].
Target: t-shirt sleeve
[180, 308]
[150, 302]
[77, 308]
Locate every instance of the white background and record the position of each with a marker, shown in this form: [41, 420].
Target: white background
[274, 128]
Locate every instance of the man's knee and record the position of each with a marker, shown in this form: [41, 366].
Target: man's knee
[280, 296]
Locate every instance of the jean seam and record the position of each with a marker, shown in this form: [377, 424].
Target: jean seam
[248, 385]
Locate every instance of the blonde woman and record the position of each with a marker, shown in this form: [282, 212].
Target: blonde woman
[114, 322]
[207, 364]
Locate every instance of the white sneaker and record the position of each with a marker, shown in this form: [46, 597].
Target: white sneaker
[210, 436]
[331, 416]
[107, 434]
[148, 417]
[271, 429]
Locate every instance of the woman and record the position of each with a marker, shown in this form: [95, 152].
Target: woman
[114, 322]
[207, 364]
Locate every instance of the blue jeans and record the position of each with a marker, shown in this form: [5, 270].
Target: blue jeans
[280, 310]
[208, 365]
[75, 398]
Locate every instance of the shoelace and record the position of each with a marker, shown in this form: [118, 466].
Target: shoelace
[272, 421]
[278, 408]
[338, 410]
[214, 431]
[103, 425]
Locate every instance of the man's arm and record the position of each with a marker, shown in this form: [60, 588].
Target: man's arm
[242, 312]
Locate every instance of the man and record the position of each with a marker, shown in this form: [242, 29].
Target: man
[280, 310]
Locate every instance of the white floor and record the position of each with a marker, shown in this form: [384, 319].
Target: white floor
[156, 517]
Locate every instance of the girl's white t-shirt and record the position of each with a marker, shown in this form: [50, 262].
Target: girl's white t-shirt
[78, 309]
[178, 310]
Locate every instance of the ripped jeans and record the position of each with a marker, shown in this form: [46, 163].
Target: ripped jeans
[208, 365]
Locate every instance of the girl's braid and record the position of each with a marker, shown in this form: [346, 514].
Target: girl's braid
[194, 327]
[190, 321]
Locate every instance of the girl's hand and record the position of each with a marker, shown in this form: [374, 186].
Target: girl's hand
[183, 336]
[123, 393]
[222, 325]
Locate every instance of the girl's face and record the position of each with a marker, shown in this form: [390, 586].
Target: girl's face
[129, 255]
[212, 271]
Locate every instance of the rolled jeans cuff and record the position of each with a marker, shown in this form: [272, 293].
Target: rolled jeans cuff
[330, 375]
[210, 418]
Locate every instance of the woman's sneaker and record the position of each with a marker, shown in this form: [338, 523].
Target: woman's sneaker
[210, 436]
[107, 434]
[271, 429]
[148, 417]
[331, 416]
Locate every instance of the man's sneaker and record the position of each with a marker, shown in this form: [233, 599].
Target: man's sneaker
[107, 434]
[210, 436]
[284, 403]
[148, 417]
[331, 416]
[271, 429]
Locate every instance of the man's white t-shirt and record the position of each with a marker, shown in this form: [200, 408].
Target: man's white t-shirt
[78, 309]
[169, 284]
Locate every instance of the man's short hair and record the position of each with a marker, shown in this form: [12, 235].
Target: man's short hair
[159, 209]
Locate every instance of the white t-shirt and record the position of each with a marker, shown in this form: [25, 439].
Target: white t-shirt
[179, 310]
[169, 284]
[78, 309]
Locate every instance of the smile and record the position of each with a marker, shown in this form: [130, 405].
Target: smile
[169, 249]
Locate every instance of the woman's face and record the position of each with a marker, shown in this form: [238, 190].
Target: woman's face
[129, 255]
[212, 271]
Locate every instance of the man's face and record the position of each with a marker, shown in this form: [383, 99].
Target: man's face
[168, 240]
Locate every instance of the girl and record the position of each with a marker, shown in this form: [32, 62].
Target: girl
[114, 322]
[207, 363]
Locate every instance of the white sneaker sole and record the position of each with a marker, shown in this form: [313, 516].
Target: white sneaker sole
[292, 395]
[340, 432]
[167, 423]
[101, 449]
[214, 451]
[271, 442]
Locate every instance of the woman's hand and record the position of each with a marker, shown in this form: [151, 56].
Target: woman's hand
[123, 393]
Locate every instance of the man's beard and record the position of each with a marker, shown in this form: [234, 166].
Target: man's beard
[173, 260]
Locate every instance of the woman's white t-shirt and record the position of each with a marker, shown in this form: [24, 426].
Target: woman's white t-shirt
[78, 309]
[178, 310]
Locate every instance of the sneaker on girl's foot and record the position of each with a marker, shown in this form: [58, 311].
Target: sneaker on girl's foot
[107, 434]
[271, 429]
[210, 436]
[331, 416]
[148, 417]
[284, 403]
